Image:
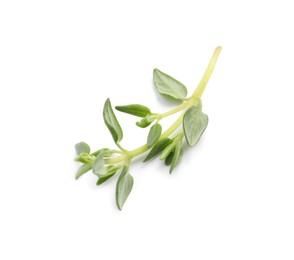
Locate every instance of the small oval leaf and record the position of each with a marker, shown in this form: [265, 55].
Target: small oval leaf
[194, 124]
[104, 179]
[157, 148]
[169, 159]
[111, 122]
[85, 158]
[83, 169]
[135, 110]
[146, 121]
[106, 152]
[154, 134]
[98, 165]
[124, 186]
[82, 147]
[111, 170]
[168, 86]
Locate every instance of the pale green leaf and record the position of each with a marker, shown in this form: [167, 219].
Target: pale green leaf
[154, 134]
[168, 86]
[106, 152]
[124, 186]
[83, 169]
[104, 179]
[82, 147]
[85, 158]
[194, 124]
[111, 170]
[98, 165]
[111, 122]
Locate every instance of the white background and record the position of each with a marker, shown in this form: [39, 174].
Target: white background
[231, 197]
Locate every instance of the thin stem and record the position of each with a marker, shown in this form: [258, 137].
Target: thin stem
[173, 127]
[174, 110]
[142, 149]
[120, 147]
[118, 151]
[206, 76]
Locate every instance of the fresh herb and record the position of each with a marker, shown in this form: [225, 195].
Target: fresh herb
[168, 145]
[168, 86]
[124, 187]
[154, 134]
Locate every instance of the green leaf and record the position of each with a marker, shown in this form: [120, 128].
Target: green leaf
[83, 169]
[85, 158]
[178, 154]
[104, 179]
[98, 165]
[154, 134]
[82, 148]
[111, 170]
[166, 152]
[106, 152]
[168, 86]
[157, 148]
[135, 110]
[124, 186]
[169, 158]
[194, 124]
[111, 122]
[146, 121]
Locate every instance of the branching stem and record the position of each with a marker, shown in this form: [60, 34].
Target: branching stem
[127, 156]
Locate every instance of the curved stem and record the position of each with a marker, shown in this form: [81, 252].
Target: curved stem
[142, 149]
[120, 147]
[206, 76]
[118, 151]
[173, 127]
[174, 110]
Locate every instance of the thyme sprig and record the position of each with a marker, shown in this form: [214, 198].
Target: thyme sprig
[168, 144]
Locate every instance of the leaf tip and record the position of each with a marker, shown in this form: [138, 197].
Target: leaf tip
[119, 206]
[107, 101]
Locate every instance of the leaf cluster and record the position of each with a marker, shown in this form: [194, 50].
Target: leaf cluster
[167, 145]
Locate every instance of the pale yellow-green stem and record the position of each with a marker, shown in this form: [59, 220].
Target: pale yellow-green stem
[142, 149]
[165, 134]
[193, 100]
[206, 76]
[174, 110]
